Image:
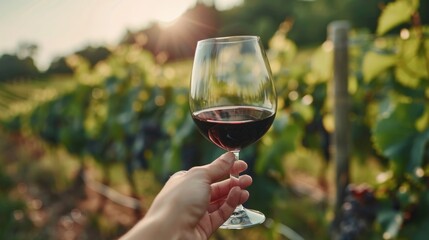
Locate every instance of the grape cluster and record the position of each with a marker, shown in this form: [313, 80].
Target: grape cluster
[357, 213]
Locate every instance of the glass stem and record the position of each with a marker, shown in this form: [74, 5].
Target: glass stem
[234, 177]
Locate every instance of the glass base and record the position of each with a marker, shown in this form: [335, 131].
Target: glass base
[243, 218]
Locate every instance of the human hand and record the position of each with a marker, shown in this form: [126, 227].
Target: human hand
[195, 203]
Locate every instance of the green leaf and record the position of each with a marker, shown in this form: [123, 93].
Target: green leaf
[423, 122]
[375, 64]
[412, 63]
[395, 135]
[406, 78]
[418, 150]
[395, 13]
[391, 222]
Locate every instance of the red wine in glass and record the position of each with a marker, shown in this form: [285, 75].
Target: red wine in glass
[234, 127]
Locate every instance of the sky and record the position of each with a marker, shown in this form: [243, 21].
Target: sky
[60, 27]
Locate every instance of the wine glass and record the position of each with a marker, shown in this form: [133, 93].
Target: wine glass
[233, 101]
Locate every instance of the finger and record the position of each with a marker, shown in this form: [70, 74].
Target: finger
[215, 205]
[235, 198]
[220, 168]
[238, 167]
[221, 189]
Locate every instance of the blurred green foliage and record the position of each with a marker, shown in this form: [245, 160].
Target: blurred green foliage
[14, 220]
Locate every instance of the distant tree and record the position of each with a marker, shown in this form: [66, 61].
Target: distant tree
[363, 14]
[178, 40]
[311, 19]
[12, 67]
[256, 17]
[91, 54]
[59, 66]
[94, 54]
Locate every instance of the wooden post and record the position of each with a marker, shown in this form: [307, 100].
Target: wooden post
[338, 34]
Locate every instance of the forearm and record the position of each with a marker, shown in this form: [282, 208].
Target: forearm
[152, 227]
[159, 223]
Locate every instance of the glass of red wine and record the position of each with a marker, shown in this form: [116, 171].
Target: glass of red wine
[233, 101]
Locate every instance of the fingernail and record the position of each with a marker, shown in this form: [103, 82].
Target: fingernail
[229, 156]
[244, 196]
